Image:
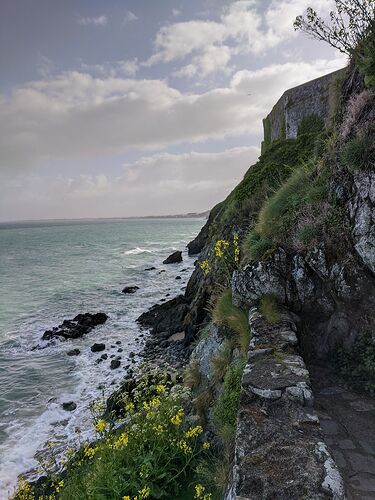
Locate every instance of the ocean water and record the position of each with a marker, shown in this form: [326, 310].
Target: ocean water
[50, 271]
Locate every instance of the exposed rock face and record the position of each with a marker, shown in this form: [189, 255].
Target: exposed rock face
[69, 406]
[279, 452]
[174, 258]
[362, 213]
[165, 318]
[334, 297]
[76, 327]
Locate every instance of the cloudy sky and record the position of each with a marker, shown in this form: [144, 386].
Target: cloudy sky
[140, 107]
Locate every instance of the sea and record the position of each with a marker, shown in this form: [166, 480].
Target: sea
[51, 271]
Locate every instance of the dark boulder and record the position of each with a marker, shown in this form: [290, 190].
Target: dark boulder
[74, 352]
[97, 347]
[69, 406]
[174, 258]
[115, 363]
[150, 268]
[178, 277]
[76, 327]
[130, 289]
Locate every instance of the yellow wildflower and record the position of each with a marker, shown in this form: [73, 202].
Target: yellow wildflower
[199, 491]
[101, 426]
[205, 266]
[59, 485]
[126, 497]
[236, 248]
[220, 247]
[184, 447]
[155, 402]
[90, 452]
[122, 441]
[177, 419]
[129, 406]
[158, 428]
[144, 492]
[160, 388]
[206, 445]
[194, 432]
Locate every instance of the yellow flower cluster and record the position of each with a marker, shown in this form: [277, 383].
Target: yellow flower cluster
[177, 419]
[121, 442]
[142, 494]
[158, 428]
[160, 388]
[236, 248]
[220, 247]
[184, 447]
[59, 485]
[205, 266]
[206, 445]
[101, 426]
[193, 432]
[200, 492]
[90, 452]
[129, 406]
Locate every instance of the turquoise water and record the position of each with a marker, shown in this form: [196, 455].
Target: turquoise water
[50, 271]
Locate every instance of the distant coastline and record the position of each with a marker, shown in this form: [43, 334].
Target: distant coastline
[190, 215]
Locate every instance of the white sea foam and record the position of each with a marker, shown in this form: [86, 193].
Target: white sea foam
[137, 251]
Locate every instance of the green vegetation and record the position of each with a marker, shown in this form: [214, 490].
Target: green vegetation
[269, 308]
[359, 363]
[310, 124]
[154, 455]
[226, 408]
[366, 58]
[224, 313]
[359, 153]
[192, 375]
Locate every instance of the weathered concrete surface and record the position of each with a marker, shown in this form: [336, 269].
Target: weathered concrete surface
[348, 423]
[279, 451]
[297, 103]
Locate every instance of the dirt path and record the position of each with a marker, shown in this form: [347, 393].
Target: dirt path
[348, 422]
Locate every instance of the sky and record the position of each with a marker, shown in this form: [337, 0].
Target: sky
[119, 108]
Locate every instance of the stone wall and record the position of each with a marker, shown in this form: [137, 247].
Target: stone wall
[279, 450]
[311, 98]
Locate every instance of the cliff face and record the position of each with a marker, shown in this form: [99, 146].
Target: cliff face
[305, 214]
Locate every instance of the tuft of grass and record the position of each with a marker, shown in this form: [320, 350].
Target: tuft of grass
[220, 362]
[256, 247]
[359, 153]
[192, 375]
[269, 308]
[202, 403]
[311, 124]
[224, 313]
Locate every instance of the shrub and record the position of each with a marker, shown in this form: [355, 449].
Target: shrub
[366, 58]
[224, 313]
[269, 308]
[359, 153]
[311, 124]
[359, 363]
[152, 455]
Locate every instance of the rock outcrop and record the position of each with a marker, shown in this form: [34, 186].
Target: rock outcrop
[76, 327]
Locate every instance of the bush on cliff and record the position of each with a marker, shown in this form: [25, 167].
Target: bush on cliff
[152, 454]
[359, 153]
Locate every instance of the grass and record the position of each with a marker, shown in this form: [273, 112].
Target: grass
[224, 313]
[269, 308]
[192, 375]
[359, 153]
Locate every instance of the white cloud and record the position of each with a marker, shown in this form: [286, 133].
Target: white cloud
[130, 17]
[165, 183]
[78, 116]
[95, 21]
[176, 12]
[243, 28]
